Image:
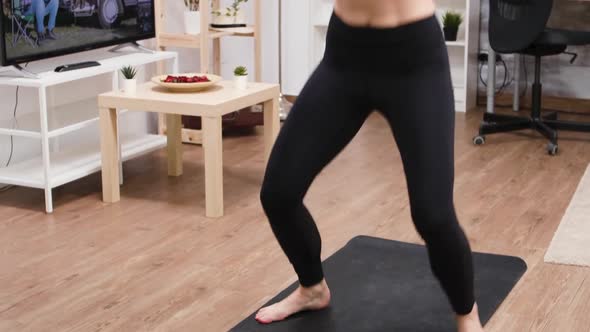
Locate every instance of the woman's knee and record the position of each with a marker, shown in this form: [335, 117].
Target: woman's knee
[434, 221]
[277, 196]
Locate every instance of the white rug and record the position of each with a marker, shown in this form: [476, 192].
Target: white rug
[571, 242]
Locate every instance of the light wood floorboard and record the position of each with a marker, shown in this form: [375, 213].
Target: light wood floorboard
[153, 262]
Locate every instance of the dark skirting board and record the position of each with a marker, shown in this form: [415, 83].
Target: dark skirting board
[381, 285]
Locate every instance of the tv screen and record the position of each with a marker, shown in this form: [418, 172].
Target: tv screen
[38, 29]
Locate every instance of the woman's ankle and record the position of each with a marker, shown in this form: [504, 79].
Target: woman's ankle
[319, 288]
[474, 311]
[470, 318]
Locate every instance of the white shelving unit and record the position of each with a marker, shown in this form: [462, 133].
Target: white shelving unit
[53, 169]
[72, 164]
[462, 53]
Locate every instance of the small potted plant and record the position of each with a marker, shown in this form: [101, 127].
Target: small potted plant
[192, 17]
[451, 22]
[241, 77]
[231, 17]
[129, 83]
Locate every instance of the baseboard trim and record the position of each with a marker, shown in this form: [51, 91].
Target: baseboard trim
[564, 104]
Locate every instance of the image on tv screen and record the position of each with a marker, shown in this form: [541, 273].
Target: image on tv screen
[36, 28]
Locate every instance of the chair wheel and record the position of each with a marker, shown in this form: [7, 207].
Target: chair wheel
[479, 140]
[552, 149]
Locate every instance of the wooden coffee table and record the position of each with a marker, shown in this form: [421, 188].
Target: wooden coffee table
[211, 105]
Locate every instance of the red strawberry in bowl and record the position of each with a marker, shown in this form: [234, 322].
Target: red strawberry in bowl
[185, 79]
[186, 82]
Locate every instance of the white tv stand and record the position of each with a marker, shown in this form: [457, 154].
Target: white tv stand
[53, 169]
[134, 45]
[18, 70]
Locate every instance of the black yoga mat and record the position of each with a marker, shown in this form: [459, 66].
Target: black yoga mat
[380, 285]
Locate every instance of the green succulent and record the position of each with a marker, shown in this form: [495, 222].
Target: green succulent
[452, 19]
[236, 5]
[129, 72]
[231, 10]
[241, 71]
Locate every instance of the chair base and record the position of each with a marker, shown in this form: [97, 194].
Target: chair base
[546, 125]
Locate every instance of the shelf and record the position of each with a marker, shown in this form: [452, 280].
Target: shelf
[240, 32]
[210, 53]
[459, 93]
[459, 43]
[460, 106]
[194, 41]
[70, 165]
[61, 120]
[107, 66]
[179, 40]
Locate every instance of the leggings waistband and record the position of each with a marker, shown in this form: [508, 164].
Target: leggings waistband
[385, 49]
[379, 36]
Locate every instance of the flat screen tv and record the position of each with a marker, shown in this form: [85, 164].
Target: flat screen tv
[32, 30]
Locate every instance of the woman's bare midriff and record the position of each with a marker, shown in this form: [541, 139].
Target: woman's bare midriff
[383, 13]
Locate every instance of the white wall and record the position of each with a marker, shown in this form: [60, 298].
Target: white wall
[296, 45]
[235, 51]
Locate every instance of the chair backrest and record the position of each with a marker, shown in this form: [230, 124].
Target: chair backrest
[21, 8]
[515, 24]
[17, 7]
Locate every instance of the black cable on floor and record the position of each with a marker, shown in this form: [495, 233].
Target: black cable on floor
[11, 139]
[526, 79]
[14, 119]
[11, 136]
[505, 82]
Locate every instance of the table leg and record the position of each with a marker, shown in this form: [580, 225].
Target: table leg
[272, 124]
[45, 149]
[109, 146]
[217, 56]
[174, 133]
[115, 87]
[213, 148]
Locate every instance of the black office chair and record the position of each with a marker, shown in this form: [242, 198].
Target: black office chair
[519, 26]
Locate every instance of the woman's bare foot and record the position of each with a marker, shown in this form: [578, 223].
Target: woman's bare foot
[470, 322]
[303, 298]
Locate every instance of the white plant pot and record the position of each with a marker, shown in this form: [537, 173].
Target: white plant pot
[130, 86]
[241, 82]
[223, 19]
[192, 22]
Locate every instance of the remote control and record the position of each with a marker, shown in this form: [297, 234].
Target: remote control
[75, 66]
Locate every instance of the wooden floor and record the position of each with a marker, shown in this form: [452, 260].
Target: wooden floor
[153, 263]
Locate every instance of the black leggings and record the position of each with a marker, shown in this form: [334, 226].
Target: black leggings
[402, 72]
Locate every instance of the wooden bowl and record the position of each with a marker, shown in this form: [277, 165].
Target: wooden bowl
[187, 87]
